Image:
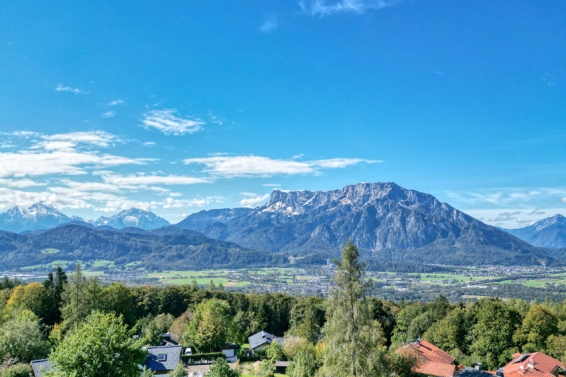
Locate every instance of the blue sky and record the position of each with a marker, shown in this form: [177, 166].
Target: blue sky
[181, 106]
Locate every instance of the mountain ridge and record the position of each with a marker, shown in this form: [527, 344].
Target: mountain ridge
[547, 233]
[385, 220]
[41, 216]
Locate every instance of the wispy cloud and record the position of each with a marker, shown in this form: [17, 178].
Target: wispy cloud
[253, 200]
[116, 103]
[247, 166]
[272, 185]
[142, 179]
[169, 123]
[108, 114]
[510, 196]
[269, 24]
[61, 88]
[324, 8]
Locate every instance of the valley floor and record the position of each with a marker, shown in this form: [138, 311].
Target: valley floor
[460, 284]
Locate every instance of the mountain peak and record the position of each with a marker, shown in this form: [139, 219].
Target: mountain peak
[133, 217]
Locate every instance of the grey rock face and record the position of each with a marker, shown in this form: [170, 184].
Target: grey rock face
[384, 220]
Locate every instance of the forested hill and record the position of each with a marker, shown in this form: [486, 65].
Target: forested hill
[386, 221]
[161, 249]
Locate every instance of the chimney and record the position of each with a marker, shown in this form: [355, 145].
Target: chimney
[479, 366]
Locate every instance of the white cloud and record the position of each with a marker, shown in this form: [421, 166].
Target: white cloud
[253, 200]
[67, 154]
[269, 24]
[564, 200]
[149, 143]
[169, 123]
[272, 185]
[108, 114]
[324, 8]
[243, 166]
[137, 180]
[116, 103]
[61, 88]
[19, 183]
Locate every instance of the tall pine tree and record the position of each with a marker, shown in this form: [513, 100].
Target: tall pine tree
[353, 340]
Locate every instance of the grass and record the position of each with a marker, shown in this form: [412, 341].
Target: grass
[102, 263]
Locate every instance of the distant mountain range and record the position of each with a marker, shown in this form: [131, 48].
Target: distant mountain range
[549, 232]
[165, 248]
[386, 221]
[41, 216]
[390, 224]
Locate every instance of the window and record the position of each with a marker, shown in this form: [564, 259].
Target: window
[162, 357]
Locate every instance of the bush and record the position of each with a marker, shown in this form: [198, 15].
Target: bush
[18, 370]
[191, 359]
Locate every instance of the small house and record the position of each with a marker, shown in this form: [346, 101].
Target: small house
[536, 364]
[260, 340]
[163, 359]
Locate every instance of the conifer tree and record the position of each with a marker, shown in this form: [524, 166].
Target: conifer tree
[353, 340]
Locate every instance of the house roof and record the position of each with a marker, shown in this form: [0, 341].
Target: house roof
[260, 339]
[535, 364]
[230, 346]
[163, 358]
[432, 360]
[40, 367]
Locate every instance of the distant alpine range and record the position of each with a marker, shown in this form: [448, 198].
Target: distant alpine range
[386, 221]
[41, 217]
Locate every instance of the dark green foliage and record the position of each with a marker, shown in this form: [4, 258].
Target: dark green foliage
[184, 250]
[220, 368]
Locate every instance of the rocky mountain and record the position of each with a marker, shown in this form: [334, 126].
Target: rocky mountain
[160, 249]
[38, 216]
[133, 217]
[549, 232]
[386, 221]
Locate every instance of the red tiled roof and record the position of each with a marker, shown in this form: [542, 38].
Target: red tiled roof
[535, 364]
[432, 360]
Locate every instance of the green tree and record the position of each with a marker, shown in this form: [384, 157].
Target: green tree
[305, 362]
[210, 326]
[100, 346]
[220, 368]
[266, 369]
[118, 298]
[274, 352]
[307, 318]
[21, 337]
[556, 347]
[18, 370]
[179, 371]
[492, 334]
[449, 333]
[354, 342]
[75, 301]
[538, 324]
